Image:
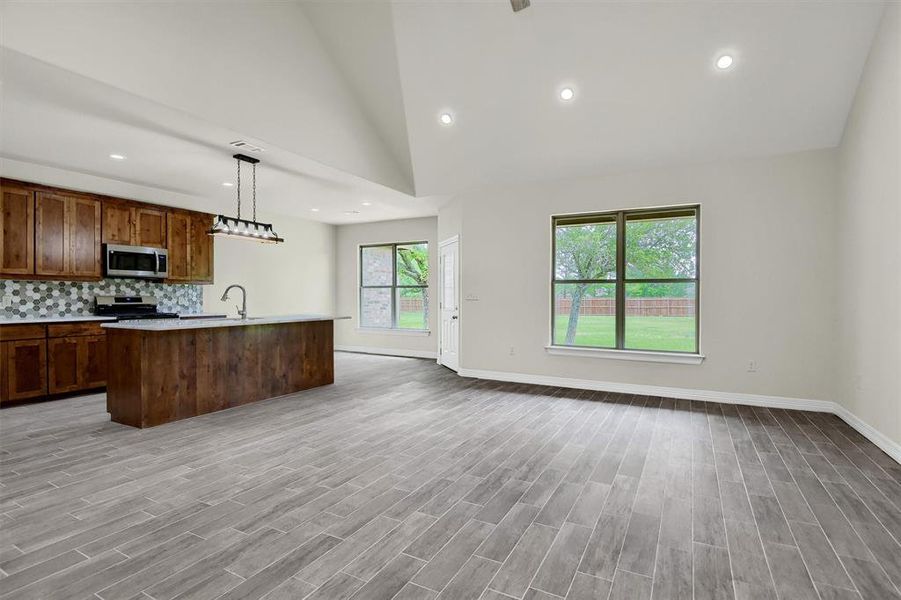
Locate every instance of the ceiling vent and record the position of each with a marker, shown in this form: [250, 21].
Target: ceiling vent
[246, 146]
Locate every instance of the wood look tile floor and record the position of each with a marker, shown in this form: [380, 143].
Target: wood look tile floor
[405, 481]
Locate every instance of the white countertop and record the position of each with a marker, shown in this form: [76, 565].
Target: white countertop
[48, 320]
[176, 324]
[84, 318]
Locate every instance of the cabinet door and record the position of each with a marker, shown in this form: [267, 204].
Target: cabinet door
[62, 361]
[201, 248]
[150, 226]
[179, 243]
[17, 231]
[92, 361]
[118, 223]
[26, 365]
[51, 234]
[4, 372]
[84, 237]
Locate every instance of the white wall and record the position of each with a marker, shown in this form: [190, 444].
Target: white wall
[297, 276]
[349, 239]
[253, 67]
[768, 263]
[870, 232]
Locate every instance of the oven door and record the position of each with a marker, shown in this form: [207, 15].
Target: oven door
[134, 261]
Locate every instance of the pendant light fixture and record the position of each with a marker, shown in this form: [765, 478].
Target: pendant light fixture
[242, 228]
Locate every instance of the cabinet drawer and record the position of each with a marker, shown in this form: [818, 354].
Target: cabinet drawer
[9, 333]
[74, 329]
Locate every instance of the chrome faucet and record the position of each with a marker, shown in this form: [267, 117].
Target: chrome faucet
[243, 310]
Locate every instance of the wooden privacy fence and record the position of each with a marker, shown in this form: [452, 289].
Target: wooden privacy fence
[649, 307]
[410, 304]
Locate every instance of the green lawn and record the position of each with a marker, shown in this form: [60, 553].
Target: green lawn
[411, 320]
[642, 333]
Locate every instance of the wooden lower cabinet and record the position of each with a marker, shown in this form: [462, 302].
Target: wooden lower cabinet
[62, 362]
[92, 361]
[38, 361]
[76, 363]
[25, 370]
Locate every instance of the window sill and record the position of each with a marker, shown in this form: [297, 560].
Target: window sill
[388, 331]
[638, 355]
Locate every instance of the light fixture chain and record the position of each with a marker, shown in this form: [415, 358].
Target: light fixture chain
[239, 188]
[254, 191]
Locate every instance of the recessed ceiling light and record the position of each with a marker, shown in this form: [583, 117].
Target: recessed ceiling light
[228, 184]
[446, 119]
[567, 93]
[367, 204]
[724, 62]
[117, 156]
[314, 210]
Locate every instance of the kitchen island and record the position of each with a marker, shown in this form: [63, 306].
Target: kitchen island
[166, 370]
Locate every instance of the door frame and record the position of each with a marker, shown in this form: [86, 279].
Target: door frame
[455, 239]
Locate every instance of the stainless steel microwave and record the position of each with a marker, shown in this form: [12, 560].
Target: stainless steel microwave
[135, 261]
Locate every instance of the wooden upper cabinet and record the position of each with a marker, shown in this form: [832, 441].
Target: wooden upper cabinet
[67, 235]
[84, 237]
[51, 234]
[16, 231]
[190, 247]
[150, 227]
[130, 225]
[179, 238]
[201, 248]
[118, 224]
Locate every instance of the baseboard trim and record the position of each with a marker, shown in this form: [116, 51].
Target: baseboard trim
[388, 351]
[885, 444]
[655, 390]
[890, 447]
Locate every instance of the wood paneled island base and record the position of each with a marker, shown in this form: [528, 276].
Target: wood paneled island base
[159, 374]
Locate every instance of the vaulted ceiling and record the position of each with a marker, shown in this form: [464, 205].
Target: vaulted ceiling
[346, 96]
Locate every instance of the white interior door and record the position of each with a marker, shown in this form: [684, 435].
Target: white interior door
[449, 272]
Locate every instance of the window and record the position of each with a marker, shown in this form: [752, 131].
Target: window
[394, 286]
[627, 280]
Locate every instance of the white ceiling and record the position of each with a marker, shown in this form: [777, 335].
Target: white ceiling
[647, 92]
[345, 96]
[55, 118]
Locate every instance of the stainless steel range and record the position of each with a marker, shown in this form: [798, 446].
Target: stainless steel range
[129, 307]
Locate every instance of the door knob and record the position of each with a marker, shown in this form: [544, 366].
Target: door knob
[454, 317]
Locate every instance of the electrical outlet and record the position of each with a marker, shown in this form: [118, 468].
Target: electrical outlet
[512, 351]
[752, 366]
[6, 301]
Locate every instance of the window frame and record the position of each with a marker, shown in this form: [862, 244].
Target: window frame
[394, 287]
[620, 281]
